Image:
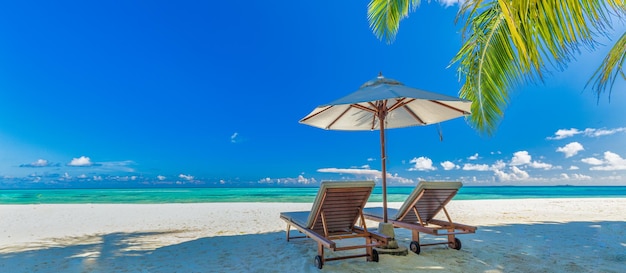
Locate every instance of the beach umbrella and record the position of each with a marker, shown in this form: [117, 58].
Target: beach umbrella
[384, 103]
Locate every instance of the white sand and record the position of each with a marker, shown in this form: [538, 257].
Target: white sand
[532, 235]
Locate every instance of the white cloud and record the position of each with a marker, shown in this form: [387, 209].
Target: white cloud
[474, 157]
[516, 174]
[571, 149]
[37, 164]
[499, 165]
[565, 133]
[351, 171]
[540, 165]
[611, 162]
[185, 176]
[573, 167]
[476, 167]
[520, 158]
[449, 3]
[575, 176]
[592, 161]
[233, 137]
[392, 178]
[448, 165]
[581, 177]
[300, 180]
[80, 162]
[400, 180]
[40, 163]
[422, 164]
[589, 132]
[303, 180]
[371, 159]
[524, 158]
[161, 177]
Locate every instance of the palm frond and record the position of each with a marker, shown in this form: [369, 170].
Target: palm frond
[384, 16]
[507, 43]
[611, 68]
[489, 48]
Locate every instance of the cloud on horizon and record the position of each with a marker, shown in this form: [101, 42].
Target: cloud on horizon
[186, 177]
[300, 180]
[610, 162]
[369, 173]
[515, 174]
[523, 158]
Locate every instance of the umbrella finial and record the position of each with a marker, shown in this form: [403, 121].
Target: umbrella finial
[380, 74]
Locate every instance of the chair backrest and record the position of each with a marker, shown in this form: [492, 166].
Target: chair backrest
[428, 198]
[341, 202]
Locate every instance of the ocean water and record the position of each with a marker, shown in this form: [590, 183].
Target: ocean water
[283, 194]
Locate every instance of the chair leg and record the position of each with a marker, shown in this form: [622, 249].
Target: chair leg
[320, 251]
[415, 236]
[451, 237]
[287, 231]
[368, 250]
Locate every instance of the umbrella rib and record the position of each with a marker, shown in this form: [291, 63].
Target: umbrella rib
[361, 107]
[415, 116]
[338, 117]
[376, 110]
[399, 103]
[364, 108]
[312, 116]
[450, 107]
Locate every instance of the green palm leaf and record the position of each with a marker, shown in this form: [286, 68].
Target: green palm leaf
[385, 16]
[511, 42]
[612, 67]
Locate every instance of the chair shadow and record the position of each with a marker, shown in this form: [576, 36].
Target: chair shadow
[540, 247]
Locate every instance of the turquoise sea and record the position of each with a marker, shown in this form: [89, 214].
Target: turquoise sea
[283, 194]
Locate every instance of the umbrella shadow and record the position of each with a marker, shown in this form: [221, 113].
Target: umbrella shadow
[540, 247]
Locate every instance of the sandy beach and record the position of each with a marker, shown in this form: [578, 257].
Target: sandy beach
[525, 235]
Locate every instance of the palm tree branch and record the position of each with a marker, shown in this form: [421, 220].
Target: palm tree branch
[611, 68]
[384, 16]
[529, 35]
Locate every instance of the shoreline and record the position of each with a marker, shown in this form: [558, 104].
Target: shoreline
[283, 194]
[514, 235]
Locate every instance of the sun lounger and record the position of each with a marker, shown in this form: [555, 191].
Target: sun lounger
[418, 211]
[334, 215]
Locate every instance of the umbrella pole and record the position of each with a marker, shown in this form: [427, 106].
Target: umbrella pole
[383, 156]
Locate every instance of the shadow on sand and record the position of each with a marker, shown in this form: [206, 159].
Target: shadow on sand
[541, 247]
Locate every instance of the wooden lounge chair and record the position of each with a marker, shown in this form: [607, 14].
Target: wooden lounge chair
[334, 215]
[418, 211]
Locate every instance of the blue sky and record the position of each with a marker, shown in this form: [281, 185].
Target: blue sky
[203, 93]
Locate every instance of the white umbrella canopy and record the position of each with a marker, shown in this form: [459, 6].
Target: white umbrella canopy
[384, 103]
